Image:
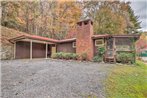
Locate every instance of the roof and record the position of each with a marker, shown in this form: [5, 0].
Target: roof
[101, 36]
[128, 35]
[35, 37]
[67, 40]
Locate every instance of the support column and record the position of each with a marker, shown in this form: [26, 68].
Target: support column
[31, 49]
[46, 49]
[114, 50]
[14, 50]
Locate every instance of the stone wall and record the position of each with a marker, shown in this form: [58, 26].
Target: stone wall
[7, 48]
[7, 51]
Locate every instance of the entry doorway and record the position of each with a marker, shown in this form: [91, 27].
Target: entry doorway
[51, 50]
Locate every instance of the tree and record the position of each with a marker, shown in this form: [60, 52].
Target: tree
[9, 14]
[134, 22]
[56, 17]
[45, 18]
[119, 16]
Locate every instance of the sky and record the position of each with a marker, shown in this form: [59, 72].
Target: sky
[140, 9]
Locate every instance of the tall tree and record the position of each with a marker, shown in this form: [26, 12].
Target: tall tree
[45, 18]
[123, 13]
[9, 14]
[54, 18]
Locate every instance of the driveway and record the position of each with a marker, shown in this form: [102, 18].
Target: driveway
[47, 78]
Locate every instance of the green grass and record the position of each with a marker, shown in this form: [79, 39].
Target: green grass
[127, 81]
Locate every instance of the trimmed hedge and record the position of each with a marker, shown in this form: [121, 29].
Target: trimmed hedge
[125, 57]
[62, 55]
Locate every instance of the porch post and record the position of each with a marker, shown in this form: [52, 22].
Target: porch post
[46, 49]
[31, 49]
[114, 43]
[14, 50]
[114, 49]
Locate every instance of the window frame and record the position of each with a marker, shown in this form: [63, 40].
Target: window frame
[74, 44]
[101, 40]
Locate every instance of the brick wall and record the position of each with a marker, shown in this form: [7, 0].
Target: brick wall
[84, 42]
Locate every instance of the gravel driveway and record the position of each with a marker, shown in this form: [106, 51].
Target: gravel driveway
[46, 78]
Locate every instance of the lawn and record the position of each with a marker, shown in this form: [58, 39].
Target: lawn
[126, 81]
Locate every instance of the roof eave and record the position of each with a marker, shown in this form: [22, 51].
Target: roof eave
[67, 40]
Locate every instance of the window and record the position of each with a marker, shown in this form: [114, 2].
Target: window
[79, 23]
[74, 44]
[85, 22]
[99, 42]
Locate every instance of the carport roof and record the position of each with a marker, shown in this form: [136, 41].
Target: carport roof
[35, 37]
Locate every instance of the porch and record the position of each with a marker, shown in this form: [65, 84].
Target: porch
[114, 44]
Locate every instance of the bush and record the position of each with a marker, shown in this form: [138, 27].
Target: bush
[74, 56]
[84, 56]
[97, 59]
[57, 55]
[62, 55]
[100, 53]
[125, 57]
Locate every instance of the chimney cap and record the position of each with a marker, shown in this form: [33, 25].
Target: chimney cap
[85, 20]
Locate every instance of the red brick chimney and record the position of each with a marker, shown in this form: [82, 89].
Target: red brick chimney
[84, 42]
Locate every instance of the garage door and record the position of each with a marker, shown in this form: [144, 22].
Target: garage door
[22, 50]
[38, 50]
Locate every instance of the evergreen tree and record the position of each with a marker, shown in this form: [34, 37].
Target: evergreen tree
[134, 21]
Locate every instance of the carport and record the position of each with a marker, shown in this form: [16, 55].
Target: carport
[32, 46]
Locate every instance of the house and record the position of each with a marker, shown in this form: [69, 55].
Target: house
[141, 46]
[32, 46]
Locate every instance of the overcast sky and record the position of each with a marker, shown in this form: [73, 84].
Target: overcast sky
[140, 9]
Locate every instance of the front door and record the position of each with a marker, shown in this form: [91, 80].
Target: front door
[109, 48]
[53, 49]
[110, 51]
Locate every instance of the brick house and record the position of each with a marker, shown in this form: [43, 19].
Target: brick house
[32, 46]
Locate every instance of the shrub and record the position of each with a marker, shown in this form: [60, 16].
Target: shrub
[97, 59]
[101, 51]
[62, 55]
[74, 56]
[84, 56]
[99, 56]
[57, 55]
[125, 57]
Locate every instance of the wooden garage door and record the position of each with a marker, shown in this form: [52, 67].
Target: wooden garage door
[38, 50]
[22, 50]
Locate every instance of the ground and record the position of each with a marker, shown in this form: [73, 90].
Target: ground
[127, 81]
[47, 78]
[7, 48]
